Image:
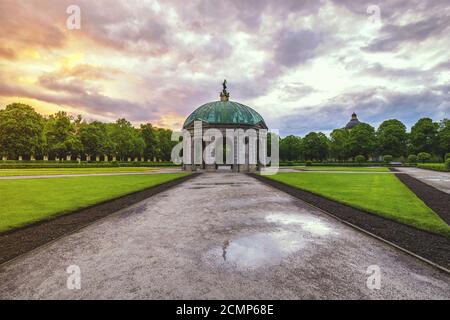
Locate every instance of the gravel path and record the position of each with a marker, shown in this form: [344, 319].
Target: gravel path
[221, 236]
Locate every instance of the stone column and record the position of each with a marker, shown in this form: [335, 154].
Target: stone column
[208, 158]
[243, 157]
[247, 145]
[252, 151]
[236, 153]
[197, 143]
[192, 165]
[211, 167]
[262, 149]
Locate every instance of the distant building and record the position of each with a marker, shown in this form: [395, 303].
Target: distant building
[353, 122]
[223, 115]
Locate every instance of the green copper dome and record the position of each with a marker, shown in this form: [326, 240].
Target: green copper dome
[225, 112]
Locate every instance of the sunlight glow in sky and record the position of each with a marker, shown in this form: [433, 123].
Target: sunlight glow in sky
[303, 65]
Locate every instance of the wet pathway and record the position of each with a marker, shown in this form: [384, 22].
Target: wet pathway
[221, 236]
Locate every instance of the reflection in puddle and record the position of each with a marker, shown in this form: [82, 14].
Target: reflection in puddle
[307, 223]
[292, 234]
[262, 249]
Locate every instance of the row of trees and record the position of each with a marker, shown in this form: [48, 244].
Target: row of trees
[24, 132]
[391, 138]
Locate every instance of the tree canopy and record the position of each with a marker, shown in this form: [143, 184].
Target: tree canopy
[424, 136]
[24, 132]
[315, 146]
[392, 138]
[20, 130]
[362, 140]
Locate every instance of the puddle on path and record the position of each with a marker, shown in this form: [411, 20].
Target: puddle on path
[258, 250]
[293, 233]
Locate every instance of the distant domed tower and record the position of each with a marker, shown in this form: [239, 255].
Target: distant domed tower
[353, 122]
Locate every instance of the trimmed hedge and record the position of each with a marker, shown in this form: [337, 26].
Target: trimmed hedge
[434, 166]
[291, 163]
[349, 164]
[74, 164]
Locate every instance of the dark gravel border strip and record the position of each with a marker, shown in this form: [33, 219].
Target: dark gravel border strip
[436, 199]
[426, 245]
[18, 241]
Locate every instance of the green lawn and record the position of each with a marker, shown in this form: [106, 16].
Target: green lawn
[326, 168]
[28, 200]
[382, 194]
[55, 171]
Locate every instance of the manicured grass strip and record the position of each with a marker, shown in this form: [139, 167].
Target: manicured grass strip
[26, 201]
[363, 169]
[56, 171]
[382, 194]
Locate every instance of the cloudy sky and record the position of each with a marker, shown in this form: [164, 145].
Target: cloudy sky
[304, 65]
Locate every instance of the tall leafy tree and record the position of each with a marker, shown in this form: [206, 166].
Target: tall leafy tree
[165, 144]
[392, 138]
[339, 144]
[290, 148]
[123, 136]
[20, 130]
[149, 135]
[444, 137]
[362, 140]
[424, 137]
[61, 135]
[138, 144]
[315, 146]
[95, 139]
